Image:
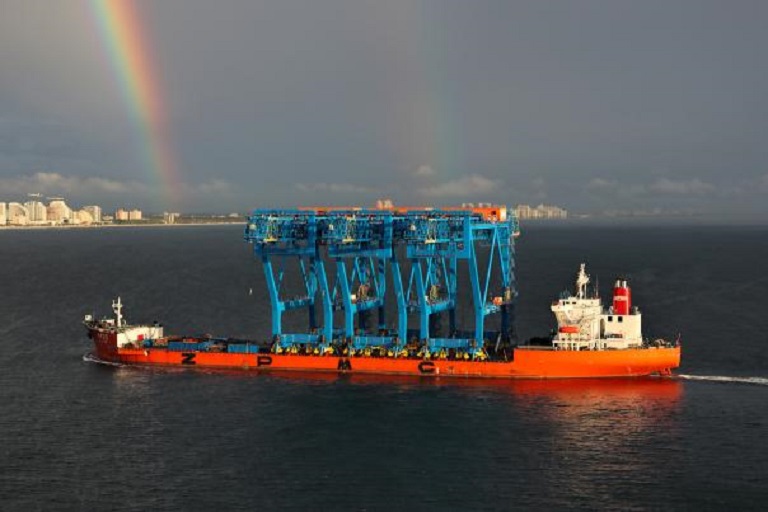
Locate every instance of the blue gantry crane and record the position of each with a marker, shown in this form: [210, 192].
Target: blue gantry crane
[279, 236]
[361, 244]
[369, 248]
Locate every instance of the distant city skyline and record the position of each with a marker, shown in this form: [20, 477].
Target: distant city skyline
[654, 108]
[34, 212]
[58, 212]
[542, 211]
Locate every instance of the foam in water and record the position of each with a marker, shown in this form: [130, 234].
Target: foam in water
[759, 381]
[91, 358]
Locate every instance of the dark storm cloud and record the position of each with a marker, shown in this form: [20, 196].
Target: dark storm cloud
[597, 106]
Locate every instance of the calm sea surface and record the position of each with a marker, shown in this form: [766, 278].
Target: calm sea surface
[76, 435]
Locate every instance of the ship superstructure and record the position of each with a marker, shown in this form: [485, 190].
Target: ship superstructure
[113, 334]
[584, 324]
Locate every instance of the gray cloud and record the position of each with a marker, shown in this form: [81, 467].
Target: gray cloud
[214, 186]
[539, 189]
[334, 188]
[763, 183]
[613, 188]
[343, 101]
[51, 183]
[107, 192]
[601, 184]
[693, 186]
[653, 212]
[425, 171]
[467, 187]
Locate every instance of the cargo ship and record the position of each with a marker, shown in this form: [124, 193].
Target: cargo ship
[590, 340]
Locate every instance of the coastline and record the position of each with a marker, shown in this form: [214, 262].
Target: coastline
[109, 226]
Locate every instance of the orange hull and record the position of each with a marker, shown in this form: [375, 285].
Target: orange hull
[527, 363]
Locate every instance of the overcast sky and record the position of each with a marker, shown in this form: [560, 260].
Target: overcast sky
[646, 106]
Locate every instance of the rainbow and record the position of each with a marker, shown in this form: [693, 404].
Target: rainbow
[127, 49]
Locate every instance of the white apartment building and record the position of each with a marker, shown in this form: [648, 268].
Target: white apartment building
[58, 211]
[36, 211]
[82, 217]
[524, 211]
[17, 214]
[94, 211]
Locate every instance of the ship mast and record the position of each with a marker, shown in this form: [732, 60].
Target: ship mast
[581, 283]
[117, 307]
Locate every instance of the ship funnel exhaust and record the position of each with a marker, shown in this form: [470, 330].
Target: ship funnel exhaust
[622, 297]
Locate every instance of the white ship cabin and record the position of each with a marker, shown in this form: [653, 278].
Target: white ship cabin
[583, 323]
[128, 335]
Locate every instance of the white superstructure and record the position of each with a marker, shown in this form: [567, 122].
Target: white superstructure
[126, 335]
[583, 323]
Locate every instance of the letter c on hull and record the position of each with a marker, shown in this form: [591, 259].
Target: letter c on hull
[427, 367]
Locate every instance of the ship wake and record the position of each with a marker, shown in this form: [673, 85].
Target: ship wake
[758, 381]
[91, 358]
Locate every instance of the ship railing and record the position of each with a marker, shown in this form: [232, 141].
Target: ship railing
[299, 339]
[363, 342]
[450, 343]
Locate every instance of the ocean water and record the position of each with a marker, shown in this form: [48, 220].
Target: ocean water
[77, 435]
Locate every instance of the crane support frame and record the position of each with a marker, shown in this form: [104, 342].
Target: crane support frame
[362, 246]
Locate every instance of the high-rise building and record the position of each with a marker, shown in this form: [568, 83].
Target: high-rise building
[3, 214]
[95, 212]
[37, 211]
[58, 211]
[121, 214]
[17, 214]
[170, 217]
[524, 211]
[82, 217]
[134, 215]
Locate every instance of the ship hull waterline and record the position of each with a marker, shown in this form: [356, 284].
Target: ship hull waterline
[527, 363]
